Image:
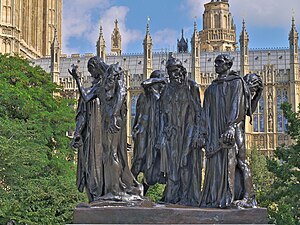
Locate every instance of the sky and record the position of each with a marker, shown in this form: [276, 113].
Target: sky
[268, 22]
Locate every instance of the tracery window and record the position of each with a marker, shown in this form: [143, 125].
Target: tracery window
[282, 96]
[258, 117]
[133, 109]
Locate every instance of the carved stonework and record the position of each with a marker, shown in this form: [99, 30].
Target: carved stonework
[7, 31]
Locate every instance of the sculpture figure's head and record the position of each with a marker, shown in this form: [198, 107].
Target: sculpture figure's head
[97, 67]
[175, 70]
[254, 82]
[223, 63]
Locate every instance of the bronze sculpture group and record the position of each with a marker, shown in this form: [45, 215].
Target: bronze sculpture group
[169, 132]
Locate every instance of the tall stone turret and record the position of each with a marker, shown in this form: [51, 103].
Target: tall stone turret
[182, 44]
[219, 31]
[294, 67]
[147, 70]
[100, 46]
[196, 43]
[116, 44]
[55, 59]
[244, 50]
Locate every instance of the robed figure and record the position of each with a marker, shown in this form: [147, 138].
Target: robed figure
[100, 136]
[179, 139]
[227, 101]
[147, 157]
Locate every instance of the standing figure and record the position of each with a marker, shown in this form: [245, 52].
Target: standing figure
[227, 101]
[146, 130]
[244, 193]
[179, 140]
[100, 136]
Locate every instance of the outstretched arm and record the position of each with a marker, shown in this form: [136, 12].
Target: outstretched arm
[86, 94]
[120, 95]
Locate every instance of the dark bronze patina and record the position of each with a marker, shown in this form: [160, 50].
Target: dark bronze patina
[100, 136]
[227, 101]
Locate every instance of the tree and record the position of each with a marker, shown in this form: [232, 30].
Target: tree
[262, 177]
[37, 166]
[284, 195]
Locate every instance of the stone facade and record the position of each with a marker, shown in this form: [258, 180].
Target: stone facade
[278, 67]
[27, 26]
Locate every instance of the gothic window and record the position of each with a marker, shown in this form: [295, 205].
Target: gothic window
[217, 21]
[133, 109]
[226, 22]
[258, 117]
[282, 96]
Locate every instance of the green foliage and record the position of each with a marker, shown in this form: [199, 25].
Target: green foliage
[262, 178]
[284, 196]
[155, 192]
[37, 169]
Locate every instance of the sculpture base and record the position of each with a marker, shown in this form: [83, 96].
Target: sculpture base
[166, 214]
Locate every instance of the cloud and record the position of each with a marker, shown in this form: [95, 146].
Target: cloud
[81, 21]
[77, 19]
[266, 13]
[108, 23]
[194, 8]
[165, 38]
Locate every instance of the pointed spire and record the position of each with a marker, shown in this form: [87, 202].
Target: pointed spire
[293, 32]
[55, 42]
[101, 30]
[148, 25]
[195, 25]
[244, 37]
[116, 40]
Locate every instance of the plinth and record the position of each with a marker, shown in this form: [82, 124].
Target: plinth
[167, 214]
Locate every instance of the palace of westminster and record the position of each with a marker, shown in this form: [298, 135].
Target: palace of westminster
[32, 29]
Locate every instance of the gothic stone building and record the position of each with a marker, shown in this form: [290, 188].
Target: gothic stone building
[27, 26]
[278, 67]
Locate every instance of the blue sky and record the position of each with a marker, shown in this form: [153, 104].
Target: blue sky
[267, 21]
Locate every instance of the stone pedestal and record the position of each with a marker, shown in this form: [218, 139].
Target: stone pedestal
[167, 214]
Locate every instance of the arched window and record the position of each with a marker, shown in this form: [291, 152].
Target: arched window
[225, 22]
[217, 21]
[258, 117]
[133, 109]
[282, 96]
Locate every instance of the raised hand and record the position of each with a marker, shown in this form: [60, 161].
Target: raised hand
[74, 71]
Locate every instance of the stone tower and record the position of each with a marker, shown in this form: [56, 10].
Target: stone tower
[219, 31]
[55, 59]
[182, 44]
[27, 26]
[294, 67]
[147, 70]
[116, 46]
[244, 51]
[195, 46]
[101, 48]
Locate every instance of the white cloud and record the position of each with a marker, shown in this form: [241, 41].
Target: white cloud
[81, 20]
[108, 23]
[266, 13]
[77, 19]
[195, 8]
[165, 38]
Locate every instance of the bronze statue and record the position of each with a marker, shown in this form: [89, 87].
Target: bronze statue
[227, 101]
[180, 136]
[100, 136]
[147, 157]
